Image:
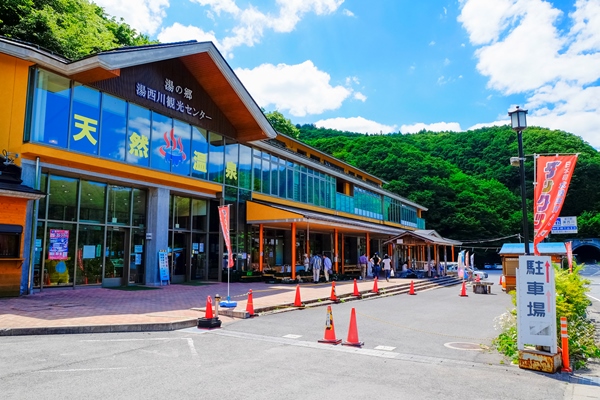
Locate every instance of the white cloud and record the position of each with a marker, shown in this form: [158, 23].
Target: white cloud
[522, 52]
[360, 96]
[178, 33]
[446, 62]
[251, 24]
[145, 16]
[299, 89]
[356, 124]
[347, 12]
[435, 127]
[432, 43]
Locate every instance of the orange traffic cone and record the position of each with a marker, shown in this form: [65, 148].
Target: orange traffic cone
[500, 282]
[329, 336]
[250, 304]
[209, 321]
[333, 296]
[412, 288]
[463, 291]
[352, 332]
[375, 289]
[209, 312]
[298, 302]
[356, 292]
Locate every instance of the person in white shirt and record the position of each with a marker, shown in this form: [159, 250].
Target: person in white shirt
[387, 266]
[327, 267]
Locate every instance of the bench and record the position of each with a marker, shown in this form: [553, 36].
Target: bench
[482, 287]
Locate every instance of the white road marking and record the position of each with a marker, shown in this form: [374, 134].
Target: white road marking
[84, 369]
[386, 348]
[290, 336]
[190, 342]
[592, 297]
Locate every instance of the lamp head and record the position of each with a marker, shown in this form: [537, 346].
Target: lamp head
[518, 119]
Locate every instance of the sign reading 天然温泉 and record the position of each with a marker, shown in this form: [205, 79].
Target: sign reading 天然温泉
[536, 302]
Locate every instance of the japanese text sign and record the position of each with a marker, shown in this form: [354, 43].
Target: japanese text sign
[553, 178]
[536, 302]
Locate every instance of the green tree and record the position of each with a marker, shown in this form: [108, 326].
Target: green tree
[281, 124]
[70, 28]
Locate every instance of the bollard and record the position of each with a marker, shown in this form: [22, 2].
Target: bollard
[217, 302]
[565, 345]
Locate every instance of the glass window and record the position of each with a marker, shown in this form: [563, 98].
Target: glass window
[139, 208]
[181, 212]
[231, 164]
[62, 203]
[51, 102]
[162, 138]
[119, 205]
[114, 258]
[138, 135]
[43, 200]
[92, 204]
[296, 185]
[274, 176]
[199, 153]
[199, 214]
[215, 157]
[85, 119]
[113, 128]
[266, 176]
[282, 179]
[89, 255]
[180, 148]
[245, 167]
[310, 197]
[257, 176]
[290, 183]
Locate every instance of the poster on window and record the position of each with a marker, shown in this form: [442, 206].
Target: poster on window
[59, 244]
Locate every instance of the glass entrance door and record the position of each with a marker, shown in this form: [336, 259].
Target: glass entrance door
[116, 257]
[180, 257]
[198, 267]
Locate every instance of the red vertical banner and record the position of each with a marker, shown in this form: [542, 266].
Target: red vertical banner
[224, 218]
[569, 246]
[553, 177]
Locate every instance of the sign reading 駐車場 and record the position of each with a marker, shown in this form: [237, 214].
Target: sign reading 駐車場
[536, 303]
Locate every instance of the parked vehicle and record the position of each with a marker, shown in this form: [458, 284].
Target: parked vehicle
[488, 266]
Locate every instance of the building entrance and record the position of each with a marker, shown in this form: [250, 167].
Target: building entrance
[116, 257]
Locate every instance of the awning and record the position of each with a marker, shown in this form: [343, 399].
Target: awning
[277, 216]
[428, 236]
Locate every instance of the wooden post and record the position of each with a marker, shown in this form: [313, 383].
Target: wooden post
[452, 253]
[260, 247]
[343, 253]
[293, 250]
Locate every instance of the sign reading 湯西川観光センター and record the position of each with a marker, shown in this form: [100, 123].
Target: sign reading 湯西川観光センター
[536, 302]
[565, 225]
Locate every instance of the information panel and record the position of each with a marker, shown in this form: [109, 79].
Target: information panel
[536, 302]
[163, 266]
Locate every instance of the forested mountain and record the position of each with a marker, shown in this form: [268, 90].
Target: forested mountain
[465, 178]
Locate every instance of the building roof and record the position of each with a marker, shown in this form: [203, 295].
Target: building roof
[202, 59]
[427, 235]
[543, 248]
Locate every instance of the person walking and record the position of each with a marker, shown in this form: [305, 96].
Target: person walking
[362, 263]
[327, 267]
[316, 266]
[376, 268]
[387, 266]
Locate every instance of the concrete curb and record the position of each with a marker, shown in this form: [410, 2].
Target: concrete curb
[69, 330]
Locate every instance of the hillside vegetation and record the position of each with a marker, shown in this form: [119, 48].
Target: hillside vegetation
[465, 178]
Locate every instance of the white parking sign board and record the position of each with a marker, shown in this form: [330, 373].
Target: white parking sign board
[536, 302]
[565, 225]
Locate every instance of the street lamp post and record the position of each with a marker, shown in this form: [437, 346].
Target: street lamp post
[519, 122]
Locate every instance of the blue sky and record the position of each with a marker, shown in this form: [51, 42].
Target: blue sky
[398, 65]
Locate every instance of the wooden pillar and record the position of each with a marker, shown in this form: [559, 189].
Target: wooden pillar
[307, 240]
[335, 249]
[343, 253]
[452, 254]
[293, 250]
[260, 247]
